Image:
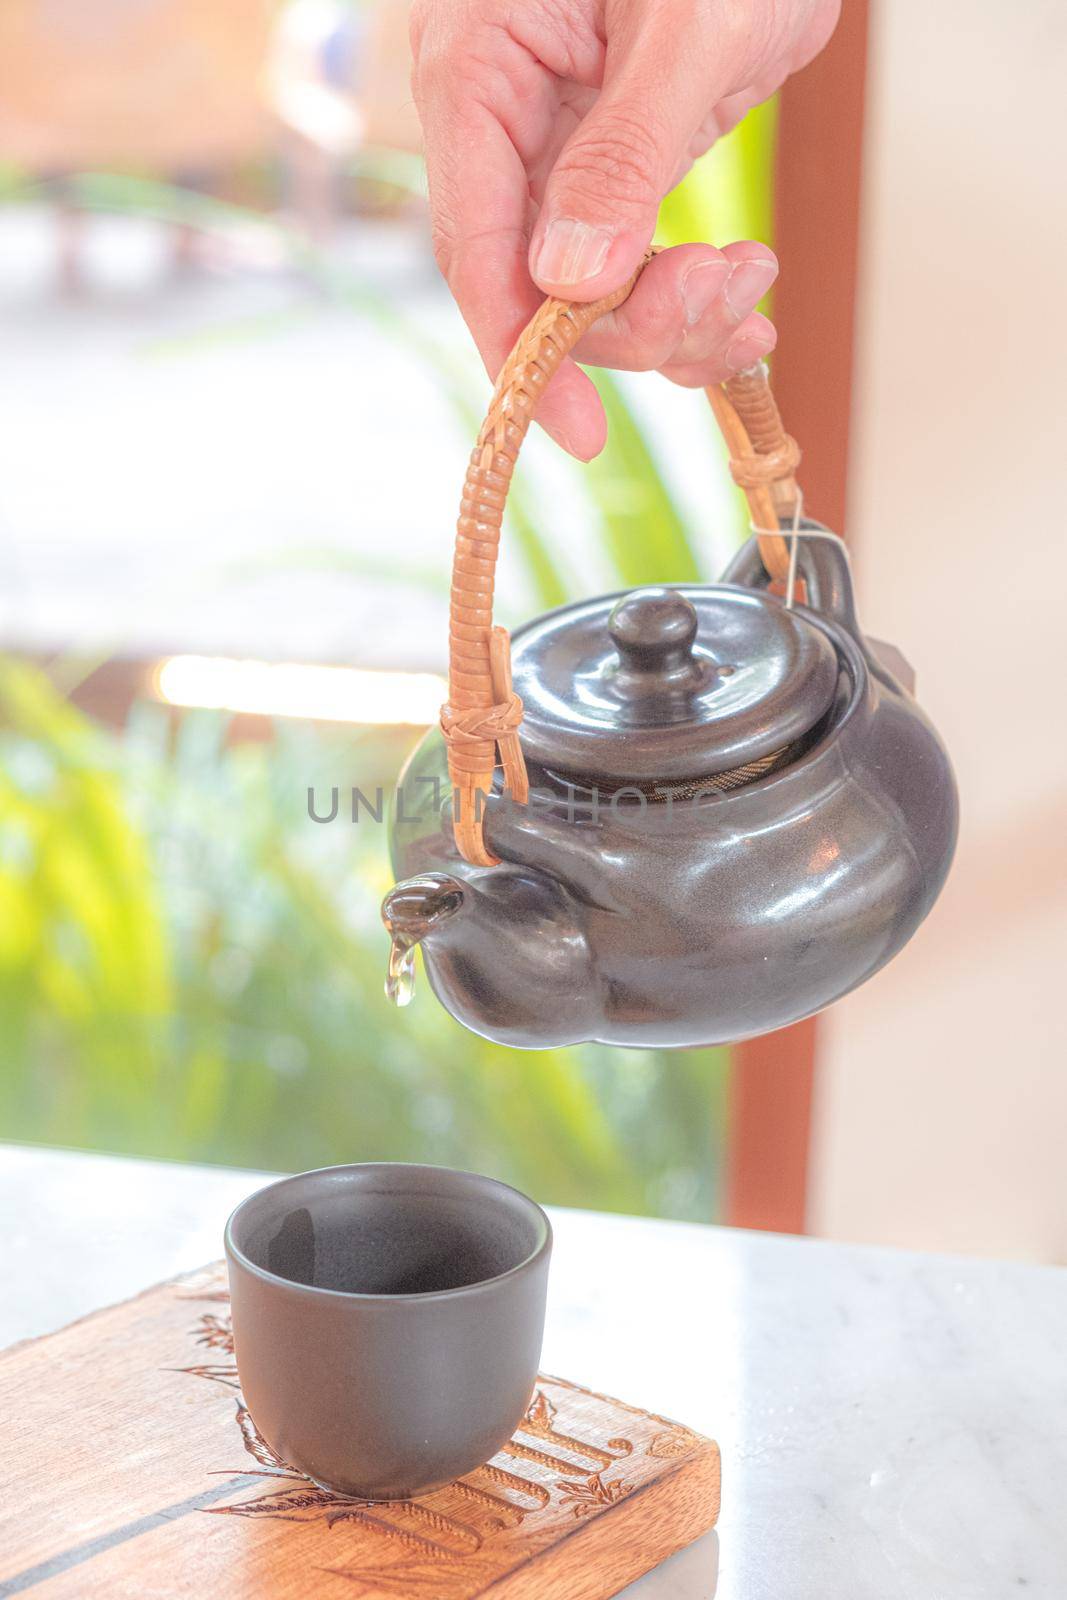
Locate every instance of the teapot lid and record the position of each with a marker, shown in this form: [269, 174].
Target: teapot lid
[670, 683]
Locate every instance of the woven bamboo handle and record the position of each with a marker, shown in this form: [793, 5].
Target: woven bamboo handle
[763, 458]
[482, 714]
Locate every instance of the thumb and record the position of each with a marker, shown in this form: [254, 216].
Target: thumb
[603, 194]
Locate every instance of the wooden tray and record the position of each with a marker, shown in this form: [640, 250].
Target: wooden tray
[134, 1470]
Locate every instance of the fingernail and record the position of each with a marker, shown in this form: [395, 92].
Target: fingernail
[571, 252]
[701, 286]
[746, 352]
[747, 284]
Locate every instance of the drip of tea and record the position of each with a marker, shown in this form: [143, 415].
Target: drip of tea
[400, 978]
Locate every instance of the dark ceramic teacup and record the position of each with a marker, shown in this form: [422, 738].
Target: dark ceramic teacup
[387, 1321]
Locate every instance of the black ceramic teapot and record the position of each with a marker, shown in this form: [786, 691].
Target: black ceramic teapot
[720, 807]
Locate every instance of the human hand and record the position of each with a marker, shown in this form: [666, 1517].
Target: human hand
[553, 130]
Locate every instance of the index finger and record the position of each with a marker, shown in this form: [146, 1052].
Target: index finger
[481, 218]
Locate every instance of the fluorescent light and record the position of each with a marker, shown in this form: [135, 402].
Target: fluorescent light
[289, 689]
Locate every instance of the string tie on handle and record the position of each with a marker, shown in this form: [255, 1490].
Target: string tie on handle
[481, 722]
[753, 471]
[791, 590]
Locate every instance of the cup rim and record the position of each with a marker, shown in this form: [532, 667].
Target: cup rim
[541, 1249]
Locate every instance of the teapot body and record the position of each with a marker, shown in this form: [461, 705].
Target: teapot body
[693, 918]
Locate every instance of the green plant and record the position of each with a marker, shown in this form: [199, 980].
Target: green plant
[82, 956]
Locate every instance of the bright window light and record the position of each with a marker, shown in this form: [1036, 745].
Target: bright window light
[286, 689]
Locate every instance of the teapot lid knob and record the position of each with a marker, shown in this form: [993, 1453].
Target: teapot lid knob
[654, 630]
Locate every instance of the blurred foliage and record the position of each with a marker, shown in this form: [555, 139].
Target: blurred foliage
[83, 966]
[191, 968]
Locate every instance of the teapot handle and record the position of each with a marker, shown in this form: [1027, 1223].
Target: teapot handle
[483, 713]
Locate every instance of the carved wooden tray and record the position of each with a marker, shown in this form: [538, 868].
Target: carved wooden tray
[134, 1470]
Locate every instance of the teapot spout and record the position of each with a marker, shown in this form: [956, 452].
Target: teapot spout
[507, 955]
[414, 907]
[410, 912]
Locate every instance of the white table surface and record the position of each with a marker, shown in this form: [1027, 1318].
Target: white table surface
[893, 1426]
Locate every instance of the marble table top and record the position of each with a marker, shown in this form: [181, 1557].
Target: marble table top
[893, 1426]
